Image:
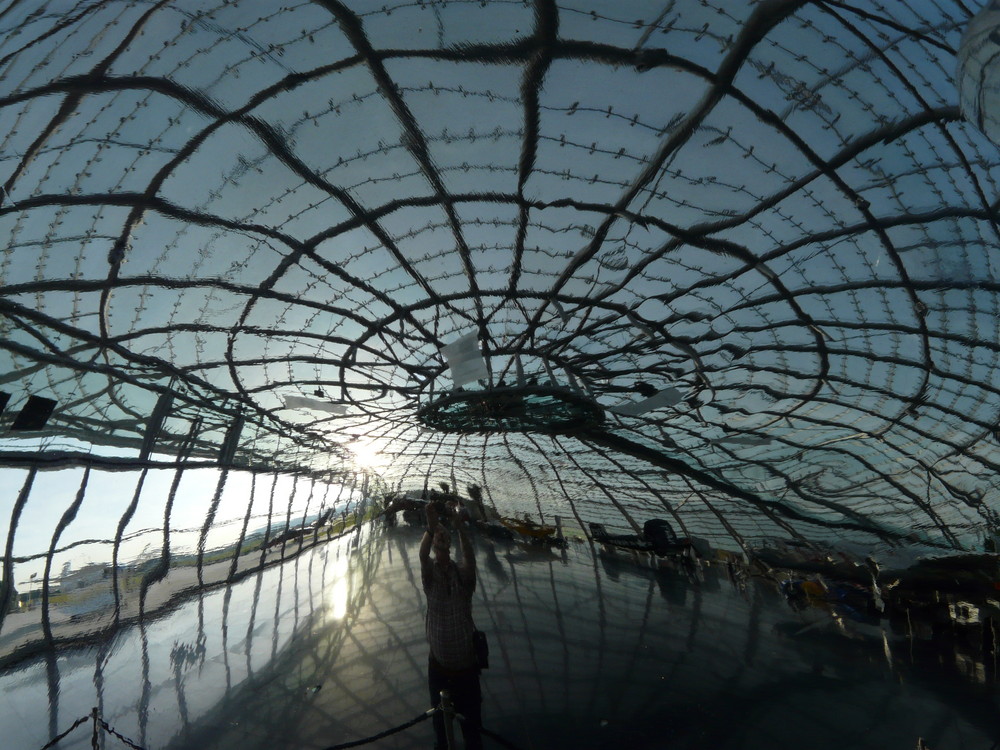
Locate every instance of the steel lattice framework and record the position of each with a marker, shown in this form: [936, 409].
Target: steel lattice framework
[279, 214]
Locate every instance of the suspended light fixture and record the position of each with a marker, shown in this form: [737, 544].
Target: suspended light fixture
[465, 360]
[743, 440]
[34, 414]
[227, 451]
[155, 423]
[659, 400]
[304, 402]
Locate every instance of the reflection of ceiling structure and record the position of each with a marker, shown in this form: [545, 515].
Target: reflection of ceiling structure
[586, 651]
[757, 235]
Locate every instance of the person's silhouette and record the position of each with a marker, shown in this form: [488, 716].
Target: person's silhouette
[452, 662]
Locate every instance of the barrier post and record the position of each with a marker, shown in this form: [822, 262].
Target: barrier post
[448, 709]
[97, 728]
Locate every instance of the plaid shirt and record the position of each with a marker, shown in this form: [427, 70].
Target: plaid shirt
[449, 591]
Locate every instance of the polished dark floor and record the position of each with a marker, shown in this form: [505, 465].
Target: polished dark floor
[588, 651]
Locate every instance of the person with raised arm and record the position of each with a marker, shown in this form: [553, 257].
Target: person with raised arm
[449, 586]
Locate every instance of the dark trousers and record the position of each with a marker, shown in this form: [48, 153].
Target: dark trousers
[467, 697]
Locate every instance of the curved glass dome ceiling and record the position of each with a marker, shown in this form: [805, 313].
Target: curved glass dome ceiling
[757, 236]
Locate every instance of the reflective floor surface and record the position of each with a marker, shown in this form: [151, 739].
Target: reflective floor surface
[588, 650]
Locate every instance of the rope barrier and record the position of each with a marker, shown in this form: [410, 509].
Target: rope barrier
[102, 724]
[55, 740]
[110, 730]
[425, 715]
[99, 724]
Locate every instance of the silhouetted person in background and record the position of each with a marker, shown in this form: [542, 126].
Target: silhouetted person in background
[449, 587]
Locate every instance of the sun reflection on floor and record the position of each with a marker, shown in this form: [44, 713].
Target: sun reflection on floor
[340, 590]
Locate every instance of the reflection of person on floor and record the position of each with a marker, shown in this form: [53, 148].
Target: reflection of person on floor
[449, 588]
